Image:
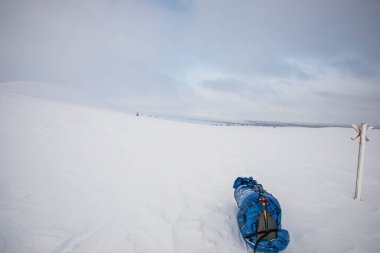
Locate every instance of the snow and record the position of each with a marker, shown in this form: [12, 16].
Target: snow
[75, 177]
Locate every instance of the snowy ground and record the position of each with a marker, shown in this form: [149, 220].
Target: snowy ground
[76, 178]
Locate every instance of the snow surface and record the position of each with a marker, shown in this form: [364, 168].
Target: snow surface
[77, 178]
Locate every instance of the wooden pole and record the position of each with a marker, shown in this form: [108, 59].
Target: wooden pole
[359, 173]
[362, 134]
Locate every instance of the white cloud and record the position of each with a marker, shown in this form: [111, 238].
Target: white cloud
[268, 60]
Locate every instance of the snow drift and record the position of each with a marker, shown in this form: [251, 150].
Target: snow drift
[75, 177]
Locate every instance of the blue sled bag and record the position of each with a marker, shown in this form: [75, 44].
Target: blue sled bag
[259, 217]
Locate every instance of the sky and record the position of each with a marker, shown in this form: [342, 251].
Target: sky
[288, 60]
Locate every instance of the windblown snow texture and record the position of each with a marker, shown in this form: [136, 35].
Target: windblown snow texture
[78, 177]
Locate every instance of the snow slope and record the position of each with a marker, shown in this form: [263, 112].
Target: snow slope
[76, 178]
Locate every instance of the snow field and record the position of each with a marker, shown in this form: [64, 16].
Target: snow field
[76, 178]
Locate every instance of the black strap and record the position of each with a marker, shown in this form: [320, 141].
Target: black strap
[264, 233]
[261, 232]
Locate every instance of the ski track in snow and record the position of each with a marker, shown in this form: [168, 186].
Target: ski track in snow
[76, 178]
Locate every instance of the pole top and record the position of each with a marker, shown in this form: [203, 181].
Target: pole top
[363, 128]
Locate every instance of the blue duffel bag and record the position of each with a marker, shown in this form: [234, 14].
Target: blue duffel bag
[259, 217]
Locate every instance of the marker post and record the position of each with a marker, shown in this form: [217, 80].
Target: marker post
[362, 134]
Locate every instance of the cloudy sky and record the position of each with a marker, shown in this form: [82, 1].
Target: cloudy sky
[284, 60]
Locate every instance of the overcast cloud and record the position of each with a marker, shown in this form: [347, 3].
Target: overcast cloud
[290, 60]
